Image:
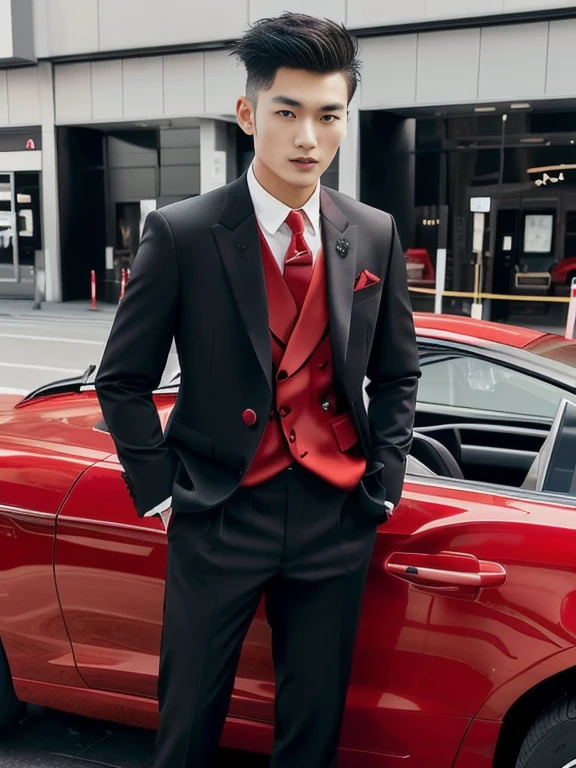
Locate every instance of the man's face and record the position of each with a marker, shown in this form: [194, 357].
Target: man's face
[298, 125]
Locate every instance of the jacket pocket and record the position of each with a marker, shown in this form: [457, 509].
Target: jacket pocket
[344, 432]
[196, 441]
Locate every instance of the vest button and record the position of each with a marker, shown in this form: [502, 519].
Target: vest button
[282, 375]
[323, 365]
[292, 436]
[284, 410]
[249, 417]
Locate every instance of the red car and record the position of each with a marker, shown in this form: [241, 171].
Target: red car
[563, 272]
[466, 652]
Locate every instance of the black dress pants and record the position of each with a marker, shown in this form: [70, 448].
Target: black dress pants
[306, 546]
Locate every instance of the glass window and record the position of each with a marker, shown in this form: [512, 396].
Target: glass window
[469, 382]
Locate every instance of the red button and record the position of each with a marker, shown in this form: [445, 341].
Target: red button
[284, 410]
[249, 417]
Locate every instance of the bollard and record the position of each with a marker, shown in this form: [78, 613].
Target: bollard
[93, 289]
[123, 284]
[571, 319]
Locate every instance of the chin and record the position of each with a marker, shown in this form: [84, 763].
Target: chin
[298, 179]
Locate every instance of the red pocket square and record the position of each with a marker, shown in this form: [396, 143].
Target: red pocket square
[365, 280]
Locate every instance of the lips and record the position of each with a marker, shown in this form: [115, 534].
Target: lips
[304, 160]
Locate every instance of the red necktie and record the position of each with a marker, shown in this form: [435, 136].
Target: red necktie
[298, 260]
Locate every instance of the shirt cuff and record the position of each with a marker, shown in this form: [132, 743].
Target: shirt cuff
[159, 508]
[389, 506]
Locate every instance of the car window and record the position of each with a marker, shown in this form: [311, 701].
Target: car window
[469, 382]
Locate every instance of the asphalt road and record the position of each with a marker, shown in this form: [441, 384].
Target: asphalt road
[37, 347]
[55, 740]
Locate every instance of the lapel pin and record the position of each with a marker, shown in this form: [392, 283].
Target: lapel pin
[342, 246]
[241, 249]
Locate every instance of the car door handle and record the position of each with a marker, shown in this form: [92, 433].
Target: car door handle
[446, 570]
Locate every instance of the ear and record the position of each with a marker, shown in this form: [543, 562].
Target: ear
[245, 115]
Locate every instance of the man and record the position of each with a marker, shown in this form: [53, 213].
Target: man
[281, 296]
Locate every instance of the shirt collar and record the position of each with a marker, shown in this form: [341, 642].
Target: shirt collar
[272, 213]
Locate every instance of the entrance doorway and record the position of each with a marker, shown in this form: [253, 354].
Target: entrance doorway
[526, 234]
[20, 232]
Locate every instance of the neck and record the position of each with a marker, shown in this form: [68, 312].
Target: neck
[293, 197]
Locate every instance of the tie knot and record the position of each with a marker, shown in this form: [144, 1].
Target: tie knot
[295, 221]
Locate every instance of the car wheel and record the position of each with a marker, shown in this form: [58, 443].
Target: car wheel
[9, 704]
[551, 742]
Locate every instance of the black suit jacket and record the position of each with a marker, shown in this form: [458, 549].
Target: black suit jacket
[198, 278]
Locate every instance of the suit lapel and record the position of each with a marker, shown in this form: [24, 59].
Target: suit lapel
[340, 244]
[237, 240]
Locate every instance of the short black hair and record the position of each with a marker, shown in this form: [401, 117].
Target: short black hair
[296, 41]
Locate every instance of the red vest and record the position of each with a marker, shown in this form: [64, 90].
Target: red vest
[304, 425]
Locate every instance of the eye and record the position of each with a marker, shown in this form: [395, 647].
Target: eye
[329, 118]
[285, 113]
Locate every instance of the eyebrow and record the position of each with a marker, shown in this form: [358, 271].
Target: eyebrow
[288, 102]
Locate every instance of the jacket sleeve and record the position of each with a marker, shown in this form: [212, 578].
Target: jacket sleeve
[393, 371]
[133, 363]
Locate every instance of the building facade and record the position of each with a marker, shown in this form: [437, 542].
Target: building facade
[463, 127]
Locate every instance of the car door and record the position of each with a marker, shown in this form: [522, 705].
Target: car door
[468, 586]
[110, 570]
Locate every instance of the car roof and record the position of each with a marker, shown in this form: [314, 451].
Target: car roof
[456, 328]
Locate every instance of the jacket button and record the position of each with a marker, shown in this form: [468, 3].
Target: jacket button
[292, 436]
[249, 417]
[284, 410]
[282, 375]
[326, 405]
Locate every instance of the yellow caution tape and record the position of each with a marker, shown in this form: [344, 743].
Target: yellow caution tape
[506, 296]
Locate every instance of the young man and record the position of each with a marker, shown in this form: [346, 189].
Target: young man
[282, 296]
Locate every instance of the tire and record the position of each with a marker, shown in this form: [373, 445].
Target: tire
[9, 704]
[551, 742]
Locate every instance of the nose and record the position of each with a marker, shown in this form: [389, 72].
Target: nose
[306, 136]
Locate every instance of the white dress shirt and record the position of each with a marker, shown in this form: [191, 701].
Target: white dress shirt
[271, 214]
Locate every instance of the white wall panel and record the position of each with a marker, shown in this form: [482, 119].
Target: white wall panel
[562, 59]
[107, 91]
[455, 9]
[389, 71]
[329, 9]
[514, 6]
[224, 82]
[369, 13]
[72, 26]
[150, 23]
[23, 96]
[41, 37]
[143, 86]
[513, 61]
[6, 42]
[184, 84]
[4, 115]
[448, 65]
[72, 93]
